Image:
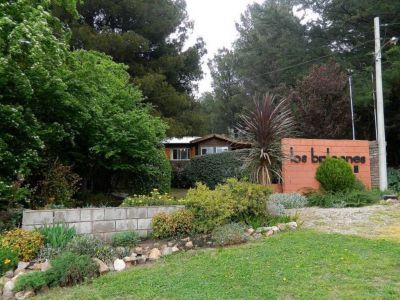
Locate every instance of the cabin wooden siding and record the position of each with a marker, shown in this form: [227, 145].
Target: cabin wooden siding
[212, 142]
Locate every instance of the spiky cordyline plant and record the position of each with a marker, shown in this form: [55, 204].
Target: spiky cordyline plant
[264, 126]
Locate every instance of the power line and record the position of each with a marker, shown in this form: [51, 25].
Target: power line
[390, 24]
[288, 67]
[306, 62]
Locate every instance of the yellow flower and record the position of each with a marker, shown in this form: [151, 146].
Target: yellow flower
[7, 261]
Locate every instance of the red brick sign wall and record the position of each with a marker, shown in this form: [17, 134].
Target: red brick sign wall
[305, 155]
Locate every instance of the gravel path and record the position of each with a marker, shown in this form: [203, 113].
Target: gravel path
[377, 221]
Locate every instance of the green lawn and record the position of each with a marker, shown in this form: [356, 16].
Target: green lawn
[293, 265]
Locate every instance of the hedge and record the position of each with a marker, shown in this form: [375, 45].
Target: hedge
[213, 169]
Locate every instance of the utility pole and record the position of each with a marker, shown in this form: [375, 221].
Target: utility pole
[352, 110]
[374, 99]
[380, 109]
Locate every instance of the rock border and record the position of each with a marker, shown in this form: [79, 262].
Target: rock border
[142, 254]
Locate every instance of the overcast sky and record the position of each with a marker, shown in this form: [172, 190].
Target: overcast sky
[214, 20]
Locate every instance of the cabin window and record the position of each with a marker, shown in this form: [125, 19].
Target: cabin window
[220, 149]
[212, 150]
[180, 154]
[207, 150]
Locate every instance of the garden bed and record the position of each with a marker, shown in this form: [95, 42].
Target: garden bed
[146, 252]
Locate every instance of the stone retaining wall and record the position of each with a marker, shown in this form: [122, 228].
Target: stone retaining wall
[102, 222]
[374, 162]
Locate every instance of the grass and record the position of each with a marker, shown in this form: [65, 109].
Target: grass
[294, 265]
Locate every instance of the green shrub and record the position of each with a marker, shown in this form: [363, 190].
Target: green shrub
[361, 198]
[70, 269]
[322, 199]
[8, 259]
[57, 235]
[180, 177]
[26, 243]
[121, 252]
[210, 208]
[12, 194]
[275, 208]
[13, 197]
[155, 198]
[125, 239]
[155, 173]
[183, 222]
[58, 185]
[345, 199]
[234, 201]
[214, 169]
[91, 246]
[335, 175]
[250, 199]
[47, 252]
[89, 199]
[229, 234]
[175, 224]
[33, 280]
[66, 269]
[394, 179]
[289, 200]
[273, 220]
[359, 186]
[161, 225]
[10, 218]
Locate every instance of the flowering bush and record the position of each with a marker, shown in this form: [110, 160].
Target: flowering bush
[8, 259]
[26, 243]
[155, 198]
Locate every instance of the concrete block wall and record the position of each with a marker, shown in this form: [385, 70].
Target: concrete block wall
[102, 222]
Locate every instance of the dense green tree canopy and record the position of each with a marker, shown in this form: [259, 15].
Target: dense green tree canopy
[77, 106]
[271, 38]
[228, 99]
[148, 36]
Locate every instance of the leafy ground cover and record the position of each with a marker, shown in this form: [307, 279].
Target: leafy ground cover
[294, 265]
